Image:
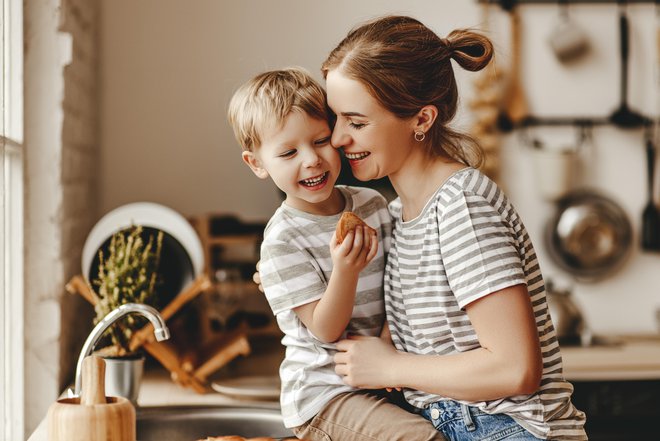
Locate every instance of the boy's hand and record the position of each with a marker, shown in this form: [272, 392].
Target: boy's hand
[355, 252]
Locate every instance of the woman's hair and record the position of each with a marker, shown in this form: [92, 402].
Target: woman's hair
[406, 66]
[267, 99]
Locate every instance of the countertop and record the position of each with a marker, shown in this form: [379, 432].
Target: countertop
[158, 390]
[624, 358]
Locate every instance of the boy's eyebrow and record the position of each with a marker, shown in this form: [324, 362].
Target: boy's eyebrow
[352, 114]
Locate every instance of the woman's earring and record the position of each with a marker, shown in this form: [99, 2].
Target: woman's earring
[420, 136]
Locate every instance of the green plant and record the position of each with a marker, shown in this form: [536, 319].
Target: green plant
[128, 274]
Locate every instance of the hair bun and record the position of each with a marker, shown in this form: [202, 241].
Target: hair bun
[472, 51]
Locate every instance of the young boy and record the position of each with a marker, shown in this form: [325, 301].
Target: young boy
[318, 293]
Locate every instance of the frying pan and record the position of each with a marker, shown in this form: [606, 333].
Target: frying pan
[589, 236]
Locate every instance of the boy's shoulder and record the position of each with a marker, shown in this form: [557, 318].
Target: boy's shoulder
[285, 225]
[362, 195]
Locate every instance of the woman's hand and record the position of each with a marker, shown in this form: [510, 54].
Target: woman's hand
[366, 362]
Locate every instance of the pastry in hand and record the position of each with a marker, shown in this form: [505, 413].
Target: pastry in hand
[348, 222]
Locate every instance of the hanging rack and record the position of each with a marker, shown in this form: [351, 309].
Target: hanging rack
[508, 4]
[585, 123]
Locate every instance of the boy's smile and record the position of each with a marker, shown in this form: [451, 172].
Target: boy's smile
[300, 160]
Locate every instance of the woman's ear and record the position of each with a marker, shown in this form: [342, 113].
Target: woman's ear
[423, 121]
[255, 165]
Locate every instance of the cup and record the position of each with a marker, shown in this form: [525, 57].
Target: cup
[123, 377]
[554, 171]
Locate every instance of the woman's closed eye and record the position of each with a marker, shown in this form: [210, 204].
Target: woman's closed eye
[356, 126]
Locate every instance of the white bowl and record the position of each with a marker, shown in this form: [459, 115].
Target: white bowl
[180, 239]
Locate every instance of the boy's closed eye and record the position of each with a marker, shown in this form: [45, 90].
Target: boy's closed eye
[287, 153]
[322, 141]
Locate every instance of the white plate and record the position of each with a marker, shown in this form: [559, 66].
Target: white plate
[263, 387]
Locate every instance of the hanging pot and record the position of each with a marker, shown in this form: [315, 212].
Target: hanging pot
[589, 236]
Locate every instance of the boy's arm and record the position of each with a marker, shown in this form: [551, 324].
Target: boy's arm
[328, 317]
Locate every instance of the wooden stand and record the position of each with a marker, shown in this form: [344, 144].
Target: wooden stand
[93, 416]
[182, 370]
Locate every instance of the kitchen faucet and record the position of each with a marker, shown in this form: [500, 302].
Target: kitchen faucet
[161, 332]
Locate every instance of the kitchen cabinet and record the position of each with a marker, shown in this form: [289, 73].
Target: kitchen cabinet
[618, 387]
[619, 410]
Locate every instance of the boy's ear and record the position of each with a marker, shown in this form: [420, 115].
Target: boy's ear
[255, 165]
[425, 118]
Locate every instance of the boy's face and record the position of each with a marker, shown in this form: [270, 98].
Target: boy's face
[300, 160]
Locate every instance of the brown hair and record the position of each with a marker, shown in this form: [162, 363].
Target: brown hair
[406, 66]
[266, 100]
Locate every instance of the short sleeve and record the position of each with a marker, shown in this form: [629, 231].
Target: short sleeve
[478, 249]
[289, 275]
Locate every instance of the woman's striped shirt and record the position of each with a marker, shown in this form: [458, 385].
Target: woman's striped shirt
[467, 243]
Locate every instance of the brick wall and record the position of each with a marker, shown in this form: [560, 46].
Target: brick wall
[61, 151]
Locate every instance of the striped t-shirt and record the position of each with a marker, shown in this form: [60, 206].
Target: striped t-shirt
[295, 269]
[467, 243]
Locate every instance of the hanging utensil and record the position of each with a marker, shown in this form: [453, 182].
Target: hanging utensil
[624, 117]
[514, 109]
[568, 40]
[650, 215]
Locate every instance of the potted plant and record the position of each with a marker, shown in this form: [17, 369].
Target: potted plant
[127, 273]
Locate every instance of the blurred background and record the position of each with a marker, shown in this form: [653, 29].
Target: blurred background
[125, 101]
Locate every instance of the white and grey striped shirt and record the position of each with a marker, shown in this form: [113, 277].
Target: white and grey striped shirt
[295, 269]
[467, 243]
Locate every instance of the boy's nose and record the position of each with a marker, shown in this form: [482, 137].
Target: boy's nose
[312, 158]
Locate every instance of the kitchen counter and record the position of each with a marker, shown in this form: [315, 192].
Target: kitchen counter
[624, 358]
[158, 390]
[634, 357]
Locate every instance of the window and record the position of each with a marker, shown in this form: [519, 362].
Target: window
[11, 221]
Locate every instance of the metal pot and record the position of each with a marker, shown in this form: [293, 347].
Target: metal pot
[589, 236]
[566, 317]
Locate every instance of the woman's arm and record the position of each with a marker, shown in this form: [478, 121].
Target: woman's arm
[508, 363]
[328, 317]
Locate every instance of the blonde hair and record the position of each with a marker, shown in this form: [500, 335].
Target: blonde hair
[405, 66]
[266, 100]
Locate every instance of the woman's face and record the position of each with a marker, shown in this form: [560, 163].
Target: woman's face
[375, 141]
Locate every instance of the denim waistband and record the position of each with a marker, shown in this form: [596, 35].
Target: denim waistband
[453, 409]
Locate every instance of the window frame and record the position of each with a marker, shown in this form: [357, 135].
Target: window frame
[12, 348]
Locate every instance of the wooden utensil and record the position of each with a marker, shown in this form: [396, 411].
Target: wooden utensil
[515, 108]
[93, 416]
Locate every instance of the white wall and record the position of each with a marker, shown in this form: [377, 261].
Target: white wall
[169, 68]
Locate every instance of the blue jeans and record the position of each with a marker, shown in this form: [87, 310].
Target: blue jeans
[458, 422]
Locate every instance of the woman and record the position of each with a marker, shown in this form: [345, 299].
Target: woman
[474, 346]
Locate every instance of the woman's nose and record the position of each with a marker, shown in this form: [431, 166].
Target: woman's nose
[339, 137]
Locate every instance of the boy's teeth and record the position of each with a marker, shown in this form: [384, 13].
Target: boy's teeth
[357, 155]
[312, 181]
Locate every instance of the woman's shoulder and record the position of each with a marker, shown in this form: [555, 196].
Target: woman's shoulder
[466, 182]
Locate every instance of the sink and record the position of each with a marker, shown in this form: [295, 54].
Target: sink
[190, 423]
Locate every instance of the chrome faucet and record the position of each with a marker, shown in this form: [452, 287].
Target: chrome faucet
[160, 331]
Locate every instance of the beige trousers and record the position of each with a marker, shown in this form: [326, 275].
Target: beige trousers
[362, 416]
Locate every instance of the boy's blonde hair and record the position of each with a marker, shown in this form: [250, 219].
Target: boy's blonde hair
[267, 99]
